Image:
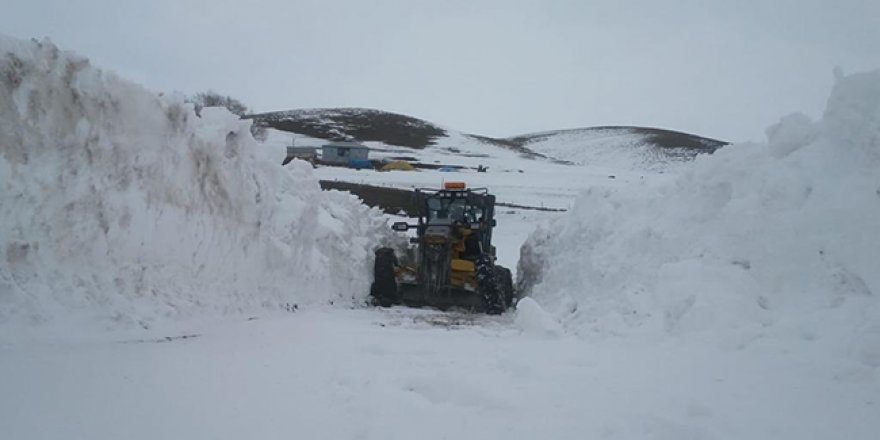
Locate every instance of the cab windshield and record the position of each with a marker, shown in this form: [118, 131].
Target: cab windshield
[447, 210]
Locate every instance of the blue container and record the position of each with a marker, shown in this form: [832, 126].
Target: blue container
[360, 164]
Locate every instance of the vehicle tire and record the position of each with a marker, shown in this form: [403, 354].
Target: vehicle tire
[504, 280]
[493, 302]
[384, 287]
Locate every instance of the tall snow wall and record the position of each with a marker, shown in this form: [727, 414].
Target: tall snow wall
[756, 240]
[122, 206]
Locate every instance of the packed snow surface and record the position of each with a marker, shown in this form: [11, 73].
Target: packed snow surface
[732, 297]
[405, 374]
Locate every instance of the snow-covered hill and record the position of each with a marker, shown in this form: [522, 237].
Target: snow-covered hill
[119, 205]
[757, 244]
[636, 147]
[360, 124]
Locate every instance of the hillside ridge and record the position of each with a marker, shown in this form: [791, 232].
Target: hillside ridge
[373, 125]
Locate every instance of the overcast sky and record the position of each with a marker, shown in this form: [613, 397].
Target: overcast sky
[724, 69]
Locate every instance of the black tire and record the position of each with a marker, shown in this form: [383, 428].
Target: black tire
[384, 287]
[504, 280]
[493, 303]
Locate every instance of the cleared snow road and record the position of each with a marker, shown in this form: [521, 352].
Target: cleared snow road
[400, 373]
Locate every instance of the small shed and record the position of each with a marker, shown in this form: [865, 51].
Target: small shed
[343, 153]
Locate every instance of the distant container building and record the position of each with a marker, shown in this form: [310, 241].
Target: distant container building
[304, 153]
[344, 153]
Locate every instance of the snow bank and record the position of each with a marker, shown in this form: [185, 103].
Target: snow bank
[122, 205]
[756, 240]
[535, 321]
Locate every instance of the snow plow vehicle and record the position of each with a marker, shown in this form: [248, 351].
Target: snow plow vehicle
[450, 263]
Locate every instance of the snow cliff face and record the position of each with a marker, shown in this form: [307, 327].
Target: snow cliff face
[757, 240]
[119, 204]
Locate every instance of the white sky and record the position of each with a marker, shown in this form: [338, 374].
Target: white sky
[724, 69]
